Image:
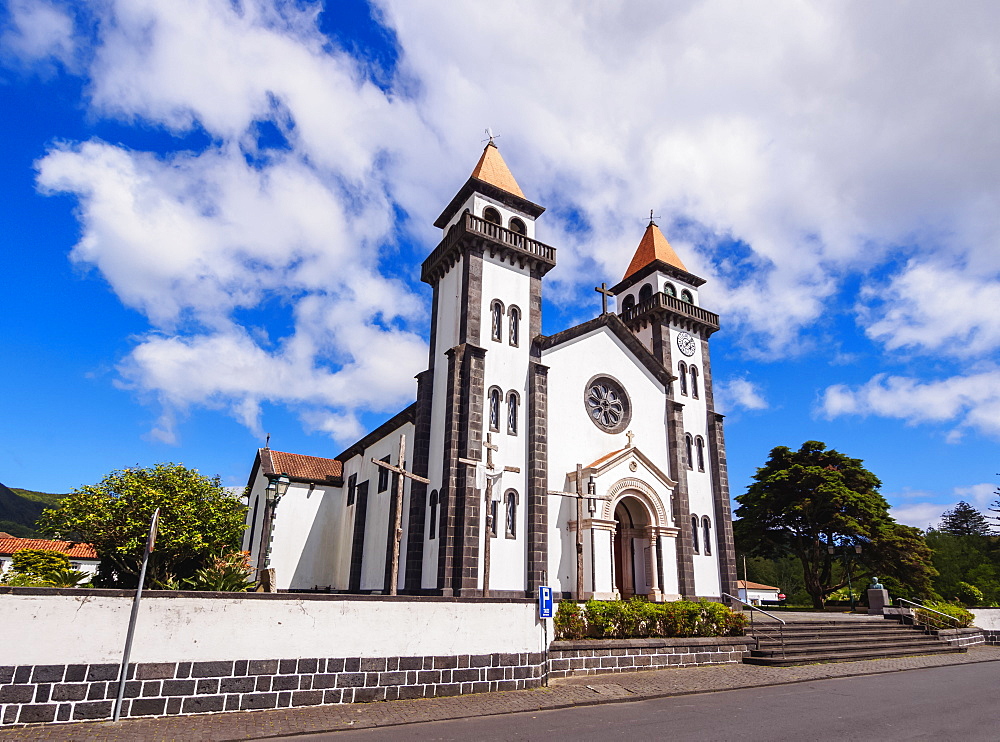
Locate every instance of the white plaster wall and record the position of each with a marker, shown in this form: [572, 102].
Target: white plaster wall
[662, 279]
[477, 202]
[645, 336]
[987, 618]
[506, 367]
[83, 629]
[574, 439]
[304, 536]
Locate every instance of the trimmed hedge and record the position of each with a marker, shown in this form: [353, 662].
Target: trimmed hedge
[949, 609]
[617, 619]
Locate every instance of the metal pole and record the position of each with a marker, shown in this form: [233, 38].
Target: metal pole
[123, 671]
[488, 535]
[579, 532]
[850, 588]
[397, 533]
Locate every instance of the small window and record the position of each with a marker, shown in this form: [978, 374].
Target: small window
[515, 325]
[432, 526]
[496, 320]
[253, 527]
[492, 215]
[495, 409]
[383, 476]
[699, 444]
[706, 527]
[510, 501]
[694, 382]
[686, 296]
[512, 413]
[352, 488]
[517, 226]
[493, 518]
[628, 304]
[688, 445]
[645, 292]
[694, 534]
[682, 377]
[670, 290]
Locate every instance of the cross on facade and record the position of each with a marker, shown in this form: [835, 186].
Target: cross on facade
[630, 435]
[490, 447]
[398, 506]
[605, 293]
[579, 524]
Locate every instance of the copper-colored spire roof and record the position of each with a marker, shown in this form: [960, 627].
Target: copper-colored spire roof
[653, 246]
[493, 170]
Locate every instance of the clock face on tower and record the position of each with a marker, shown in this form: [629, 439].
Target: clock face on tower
[686, 343]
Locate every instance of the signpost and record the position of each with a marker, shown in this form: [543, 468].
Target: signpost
[545, 602]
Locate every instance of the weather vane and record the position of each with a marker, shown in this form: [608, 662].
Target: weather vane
[652, 218]
[491, 135]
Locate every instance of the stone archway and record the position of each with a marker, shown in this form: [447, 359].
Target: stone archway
[634, 548]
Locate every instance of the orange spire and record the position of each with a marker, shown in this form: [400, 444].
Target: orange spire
[653, 246]
[493, 170]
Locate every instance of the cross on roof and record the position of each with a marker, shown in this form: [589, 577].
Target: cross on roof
[652, 218]
[605, 293]
[491, 136]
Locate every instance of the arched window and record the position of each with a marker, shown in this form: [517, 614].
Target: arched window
[492, 215]
[699, 444]
[496, 320]
[645, 292]
[515, 325]
[494, 399]
[628, 304]
[688, 445]
[493, 518]
[682, 377]
[694, 534]
[512, 413]
[432, 526]
[670, 290]
[706, 527]
[517, 226]
[510, 503]
[686, 296]
[694, 382]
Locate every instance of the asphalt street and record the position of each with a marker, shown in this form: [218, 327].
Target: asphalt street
[941, 703]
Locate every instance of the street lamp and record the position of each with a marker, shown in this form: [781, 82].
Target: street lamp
[275, 490]
[849, 552]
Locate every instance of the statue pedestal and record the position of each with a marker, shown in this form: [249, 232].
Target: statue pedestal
[878, 601]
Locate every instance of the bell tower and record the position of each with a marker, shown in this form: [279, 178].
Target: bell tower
[482, 374]
[658, 301]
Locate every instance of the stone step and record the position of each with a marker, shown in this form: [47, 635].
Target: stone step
[902, 634]
[820, 647]
[848, 656]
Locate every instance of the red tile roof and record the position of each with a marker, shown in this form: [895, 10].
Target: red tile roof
[755, 585]
[653, 246]
[71, 549]
[299, 467]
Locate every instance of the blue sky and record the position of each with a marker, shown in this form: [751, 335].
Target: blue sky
[215, 213]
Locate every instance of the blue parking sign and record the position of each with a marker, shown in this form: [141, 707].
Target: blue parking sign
[545, 602]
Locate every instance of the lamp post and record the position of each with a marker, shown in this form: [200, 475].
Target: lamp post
[849, 552]
[275, 490]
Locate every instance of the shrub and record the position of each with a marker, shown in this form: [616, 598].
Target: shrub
[968, 594]
[614, 619]
[229, 573]
[38, 562]
[950, 609]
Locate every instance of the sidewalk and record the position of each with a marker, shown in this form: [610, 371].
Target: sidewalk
[577, 691]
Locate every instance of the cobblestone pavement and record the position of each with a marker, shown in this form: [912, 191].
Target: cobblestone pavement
[577, 691]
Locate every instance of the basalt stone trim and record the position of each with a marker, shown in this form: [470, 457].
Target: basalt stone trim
[963, 637]
[270, 684]
[726, 546]
[682, 508]
[449, 473]
[991, 636]
[358, 540]
[418, 490]
[596, 657]
[470, 445]
[538, 475]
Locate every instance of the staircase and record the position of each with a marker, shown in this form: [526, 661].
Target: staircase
[839, 640]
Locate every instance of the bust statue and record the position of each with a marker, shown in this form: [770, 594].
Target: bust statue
[876, 585]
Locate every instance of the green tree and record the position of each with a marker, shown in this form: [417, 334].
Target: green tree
[810, 501]
[38, 562]
[198, 520]
[964, 520]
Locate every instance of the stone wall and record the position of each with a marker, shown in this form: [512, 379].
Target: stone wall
[597, 656]
[48, 693]
[962, 637]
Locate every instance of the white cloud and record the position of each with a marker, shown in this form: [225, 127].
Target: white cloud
[970, 401]
[738, 394]
[928, 514]
[38, 32]
[923, 515]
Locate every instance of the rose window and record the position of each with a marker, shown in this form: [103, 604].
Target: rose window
[607, 404]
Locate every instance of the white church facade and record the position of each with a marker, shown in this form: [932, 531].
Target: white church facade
[591, 461]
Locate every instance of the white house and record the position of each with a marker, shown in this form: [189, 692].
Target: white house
[757, 594]
[82, 557]
[509, 425]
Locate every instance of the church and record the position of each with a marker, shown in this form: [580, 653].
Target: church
[591, 461]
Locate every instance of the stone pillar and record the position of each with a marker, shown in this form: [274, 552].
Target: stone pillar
[604, 585]
[681, 510]
[878, 601]
[538, 475]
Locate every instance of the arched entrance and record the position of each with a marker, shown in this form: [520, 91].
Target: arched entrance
[634, 549]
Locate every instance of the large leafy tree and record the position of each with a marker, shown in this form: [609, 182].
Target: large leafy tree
[808, 501]
[199, 519]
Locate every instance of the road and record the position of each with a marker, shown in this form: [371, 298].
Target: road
[944, 703]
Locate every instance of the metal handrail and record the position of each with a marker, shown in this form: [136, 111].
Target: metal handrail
[752, 607]
[923, 607]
